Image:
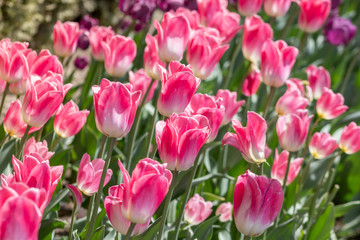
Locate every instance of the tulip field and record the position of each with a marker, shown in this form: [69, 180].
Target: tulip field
[180, 119]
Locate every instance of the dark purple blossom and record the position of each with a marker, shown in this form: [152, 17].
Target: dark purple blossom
[335, 4]
[83, 41]
[339, 31]
[81, 62]
[88, 22]
[141, 10]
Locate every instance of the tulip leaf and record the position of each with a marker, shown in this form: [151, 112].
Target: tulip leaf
[55, 200]
[48, 226]
[283, 231]
[205, 230]
[342, 209]
[150, 233]
[323, 225]
[6, 152]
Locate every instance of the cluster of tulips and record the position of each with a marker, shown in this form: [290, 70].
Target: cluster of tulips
[190, 124]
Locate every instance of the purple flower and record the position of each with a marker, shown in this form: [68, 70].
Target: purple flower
[81, 62]
[138, 9]
[83, 41]
[335, 4]
[190, 4]
[88, 22]
[339, 31]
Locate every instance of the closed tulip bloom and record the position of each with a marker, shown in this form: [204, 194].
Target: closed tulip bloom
[249, 140]
[313, 14]
[120, 52]
[208, 8]
[228, 101]
[257, 202]
[225, 211]
[173, 36]
[66, 36]
[89, 175]
[349, 140]
[292, 130]
[227, 23]
[178, 85]
[277, 60]
[248, 8]
[180, 139]
[141, 81]
[151, 58]
[256, 32]
[301, 86]
[145, 190]
[330, 105]
[322, 145]
[197, 210]
[69, 120]
[13, 123]
[278, 169]
[44, 63]
[290, 102]
[192, 16]
[31, 146]
[97, 36]
[251, 83]
[319, 78]
[276, 8]
[115, 107]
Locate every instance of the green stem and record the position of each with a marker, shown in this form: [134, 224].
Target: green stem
[247, 237]
[349, 71]
[72, 222]
[151, 134]
[269, 100]
[23, 140]
[131, 228]
[307, 141]
[91, 203]
[39, 133]
[101, 186]
[56, 142]
[232, 64]
[101, 151]
[246, 73]
[166, 206]
[4, 96]
[3, 141]
[303, 41]
[289, 23]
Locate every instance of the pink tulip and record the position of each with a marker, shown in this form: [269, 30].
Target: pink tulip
[251, 83]
[277, 60]
[113, 205]
[178, 85]
[313, 14]
[211, 108]
[193, 17]
[69, 120]
[78, 196]
[249, 140]
[115, 107]
[290, 102]
[249, 8]
[151, 58]
[97, 36]
[173, 35]
[43, 97]
[276, 8]
[227, 23]
[204, 52]
[89, 175]
[225, 211]
[208, 8]
[65, 38]
[2, 86]
[44, 63]
[228, 101]
[145, 190]
[41, 148]
[349, 141]
[179, 140]
[267, 151]
[330, 105]
[13, 123]
[319, 78]
[120, 52]
[197, 210]
[292, 130]
[141, 82]
[322, 145]
[298, 85]
[278, 169]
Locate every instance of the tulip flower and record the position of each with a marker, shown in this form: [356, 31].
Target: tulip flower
[204, 52]
[173, 36]
[313, 14]
[113, 204]
[225, 211]
[251, 83]
[119, 51]
[81, 62]
[211, 108]
[277, 60]
[141, 81]
[208, 8]
[77, 196]
[69, 120]
[349, 140]
[256, 32]
[97, 36]
[151, 58]
[278, 169]
[228, 101]
[339, 30]
[180, 139]
[227, 23]
[41, 148]
[197, 210]
[322, 145]
[319, 79]
[298, 85]
[43, 97]
[249, 8]
[115, 107]
[89, 175]
[257, 202]
[290, 102]
[44, 63]
[276, 8]
[145, 190]
[249, 140]
[178, 85]
[13, 123]
[292, 130]
[330, 105]
[193, 17]
[65, 38]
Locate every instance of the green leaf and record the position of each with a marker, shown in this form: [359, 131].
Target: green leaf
[48, 226]
[324, 224]
[204, 230]
[6, 152]
[55, 200]
[150, 233]
[342, 209]
[283, 231]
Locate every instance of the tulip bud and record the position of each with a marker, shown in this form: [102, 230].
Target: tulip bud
[330, 105]
[319, 78]
[251, 83]
[208, 8]
[97, 36]
[349, 141]
[83, 41]
[141, 81]
[66, 36]
[276, 8]
[227, 23]
[151, 58]
[313, 14]
[225, 211]
[197, 210]
[248, 8]
[322, 145]
[278, 169]
[81, 62]
[290, 102]
[41, 148]
[88, 22]
[228, 101]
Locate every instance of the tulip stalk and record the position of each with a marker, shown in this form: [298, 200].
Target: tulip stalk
[4, 96]
[232, 64]
[151, 133]
[268, 102]
[131, 228]
[23, 140]
[102, 147]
